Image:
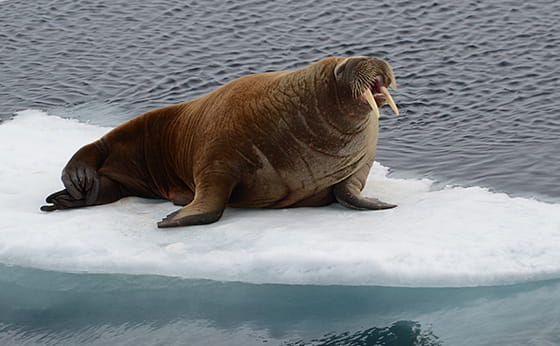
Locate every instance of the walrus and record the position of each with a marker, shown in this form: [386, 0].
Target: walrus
[297, 138]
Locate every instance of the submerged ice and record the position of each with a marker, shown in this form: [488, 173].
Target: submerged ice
[453, 236]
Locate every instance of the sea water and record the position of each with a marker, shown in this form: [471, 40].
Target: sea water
[470, 256]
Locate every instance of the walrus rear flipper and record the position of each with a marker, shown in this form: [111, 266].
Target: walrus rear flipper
[105, 191]
[210, 199]
[62, 200]
[83, 184]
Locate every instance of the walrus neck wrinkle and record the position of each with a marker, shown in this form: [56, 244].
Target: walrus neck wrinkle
[311, 91]
[344, 117]
[307, 104]
[330, 106]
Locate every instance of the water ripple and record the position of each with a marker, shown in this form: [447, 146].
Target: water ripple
[478, 79]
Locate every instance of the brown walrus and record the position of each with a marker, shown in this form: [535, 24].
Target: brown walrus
[269, 140]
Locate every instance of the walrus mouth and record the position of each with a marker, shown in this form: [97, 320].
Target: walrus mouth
[380, 91]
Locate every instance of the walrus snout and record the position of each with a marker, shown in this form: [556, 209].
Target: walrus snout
[367, 79]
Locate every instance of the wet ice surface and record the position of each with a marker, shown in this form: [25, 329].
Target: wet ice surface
[478, 80]
[451, 236]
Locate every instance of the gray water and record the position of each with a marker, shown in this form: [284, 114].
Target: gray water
[479, 96]
[479, 80]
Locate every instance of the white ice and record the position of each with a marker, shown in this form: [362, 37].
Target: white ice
[453, 236]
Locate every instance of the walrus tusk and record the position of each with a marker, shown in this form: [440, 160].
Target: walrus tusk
[369, 97]
[390, 100]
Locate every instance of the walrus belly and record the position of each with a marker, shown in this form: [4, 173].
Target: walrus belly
[309, 176]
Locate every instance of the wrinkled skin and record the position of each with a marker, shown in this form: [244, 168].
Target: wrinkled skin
[269, 140]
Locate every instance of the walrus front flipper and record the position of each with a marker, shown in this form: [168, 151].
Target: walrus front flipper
[185, 217]
[210, 199]
[347, 193]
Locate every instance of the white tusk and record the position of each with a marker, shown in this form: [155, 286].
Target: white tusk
[390, 100]
[369, 97]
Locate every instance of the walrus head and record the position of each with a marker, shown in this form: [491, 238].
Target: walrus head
[367, 80]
